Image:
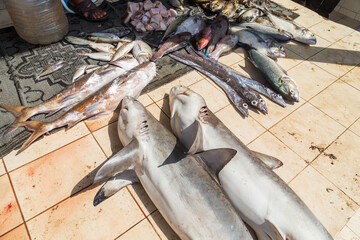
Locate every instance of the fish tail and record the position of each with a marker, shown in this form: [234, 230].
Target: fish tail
[38, 128]
[22, 113]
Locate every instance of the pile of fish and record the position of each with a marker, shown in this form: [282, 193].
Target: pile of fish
[226, 184]
[148, 16]
[96, 90]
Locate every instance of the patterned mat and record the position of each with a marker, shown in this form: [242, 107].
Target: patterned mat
[20, 62]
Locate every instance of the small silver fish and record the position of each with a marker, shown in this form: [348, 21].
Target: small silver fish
[123, 50]
[104, 37]
[102, 47]
[77, 40]
[102, 56]
[142, 51]
[51, 68]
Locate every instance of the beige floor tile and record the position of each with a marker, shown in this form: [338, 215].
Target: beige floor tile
[329, 204]
[141, 197]
[356, 127]
[354, 222]
[230, 59]
[290, 60]
[215, 99]
[163, 104]
[186, 80]
[276, 112]
[350, 43]
[305, 50]
[350, 22]
[302, 132]
[54, 177]
[142, 231]
[307, 17]
[340, 101]
[45, 145]
[331, 31]
[96, 124]
[2, 169]
[337, 62]
[241, 52]
[77, 218]
[353, 77]
[247, 69]
[346, 234]
[108, 139]
[162, 227]
[310, 79]
[10, 216]
[18, 233]
[341, 165]
[159, 115]
[246, 129]
[270, 145]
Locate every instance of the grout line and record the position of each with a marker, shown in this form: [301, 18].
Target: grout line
[18, 203]
[47, 153]
[152, 226]
[127, 230]
[136, 202]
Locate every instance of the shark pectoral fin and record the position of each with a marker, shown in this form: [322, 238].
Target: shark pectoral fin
[115, 184]
[273, 231]
[216, 159]
[270, 161]
[194, 131]
[119, 162]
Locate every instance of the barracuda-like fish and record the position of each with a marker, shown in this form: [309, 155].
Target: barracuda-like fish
[123, 50]
[142, 51]
[225, 45]
[194, 25]
[219, 28]
[238, 102]
[262, 198]
[275, 75]
[226, 75]
[74, 93]
[51, 68]
[174, 43]
[261, 42]
[276, 33]
[100, 103]
[177, 183]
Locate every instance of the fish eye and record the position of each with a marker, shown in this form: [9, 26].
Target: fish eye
[292, 91]
[261, 100]
[245, 105]
[253, 102]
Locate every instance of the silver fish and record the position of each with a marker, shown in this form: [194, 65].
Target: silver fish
[141, 51]
[84, 69]
[276, 33]
[123, 50]
[262, 198]
[193, 25]
[261, 42]
[102, 56]
[182, 190]
[102, 47]
[225, 45]
[51, 68]
[103, 37]
[77, 40]
[275, 75]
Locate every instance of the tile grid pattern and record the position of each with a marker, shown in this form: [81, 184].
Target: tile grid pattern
[263, 130]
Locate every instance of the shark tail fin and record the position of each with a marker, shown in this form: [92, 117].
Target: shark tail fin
[39, 129]
[115, 184]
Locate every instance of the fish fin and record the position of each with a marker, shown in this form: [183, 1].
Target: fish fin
[197, 136]
[115, 184]
[270, 161]
[20, 112]
[69, 97]
[273, 231]
[216, 159]
[119, 162]
[39, 129]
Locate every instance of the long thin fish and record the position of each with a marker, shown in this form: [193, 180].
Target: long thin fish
[51, 68]
[100, 103]
[74, 93]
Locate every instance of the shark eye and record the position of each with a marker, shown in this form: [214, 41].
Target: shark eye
[253, 102]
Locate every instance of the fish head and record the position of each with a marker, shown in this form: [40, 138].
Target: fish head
[204, 38]
[125, 62]
[132, 121]
[289, 89]
[259, 103]
[185, 107]
[276, 49]
[307, 37]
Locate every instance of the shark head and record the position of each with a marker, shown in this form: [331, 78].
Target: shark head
[132, 121]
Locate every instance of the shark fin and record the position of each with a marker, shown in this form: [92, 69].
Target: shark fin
[119, 162]
[115, 184]
[197, 135]
[216, 159]
[270, 161]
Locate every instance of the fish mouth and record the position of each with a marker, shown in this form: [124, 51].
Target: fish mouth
[262, 108]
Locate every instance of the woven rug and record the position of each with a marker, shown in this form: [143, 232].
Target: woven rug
[20, 63]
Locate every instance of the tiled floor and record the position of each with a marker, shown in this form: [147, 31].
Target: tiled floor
[317, 139]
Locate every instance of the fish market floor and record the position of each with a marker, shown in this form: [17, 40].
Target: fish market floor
[318, 140]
